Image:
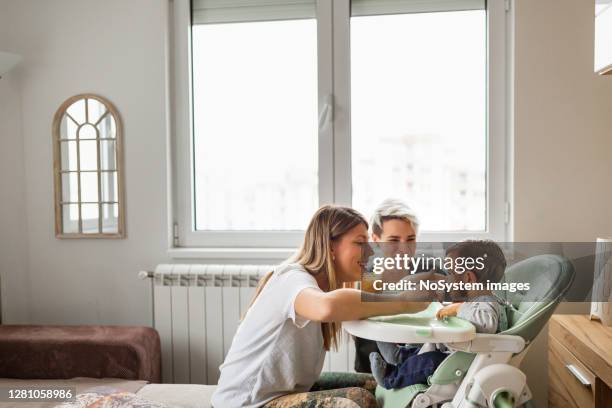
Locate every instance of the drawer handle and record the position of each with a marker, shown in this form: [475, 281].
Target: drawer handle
[579, 376]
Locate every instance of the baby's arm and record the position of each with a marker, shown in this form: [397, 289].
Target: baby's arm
[450, 310]
[483, 315]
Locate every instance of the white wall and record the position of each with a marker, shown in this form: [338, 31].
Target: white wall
[115, 48]
[563, 125]
[13, 220]
[563, 140]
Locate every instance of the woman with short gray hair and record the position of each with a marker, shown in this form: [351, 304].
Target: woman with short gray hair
[392, 221]
[392, 209]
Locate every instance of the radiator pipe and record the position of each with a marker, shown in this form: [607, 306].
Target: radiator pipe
[145, 274]
[142, 275]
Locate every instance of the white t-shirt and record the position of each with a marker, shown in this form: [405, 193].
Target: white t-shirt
[274, 352]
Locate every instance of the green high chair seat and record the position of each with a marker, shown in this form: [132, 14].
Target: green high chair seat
[550, 276]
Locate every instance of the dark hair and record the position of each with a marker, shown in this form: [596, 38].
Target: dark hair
[493, 257]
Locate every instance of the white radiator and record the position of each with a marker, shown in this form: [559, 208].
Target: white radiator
[196, 310]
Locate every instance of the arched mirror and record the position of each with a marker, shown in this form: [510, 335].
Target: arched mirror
[87, 145]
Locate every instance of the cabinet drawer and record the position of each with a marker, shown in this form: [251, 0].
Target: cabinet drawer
[571, 384]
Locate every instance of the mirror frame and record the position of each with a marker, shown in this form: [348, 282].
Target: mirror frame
[57, 171]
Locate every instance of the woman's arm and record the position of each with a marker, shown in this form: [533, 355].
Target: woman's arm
[347, 304]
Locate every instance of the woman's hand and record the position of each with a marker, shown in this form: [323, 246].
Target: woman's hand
[447, 311]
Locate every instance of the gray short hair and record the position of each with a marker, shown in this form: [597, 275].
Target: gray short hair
[392, 208]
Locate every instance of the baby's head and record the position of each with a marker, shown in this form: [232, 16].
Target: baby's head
[485, 258]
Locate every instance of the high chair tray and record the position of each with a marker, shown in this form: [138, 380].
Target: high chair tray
[422, 327]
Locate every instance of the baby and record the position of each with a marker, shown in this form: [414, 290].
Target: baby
[398, 366]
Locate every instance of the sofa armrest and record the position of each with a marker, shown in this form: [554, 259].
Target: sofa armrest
[61, 352]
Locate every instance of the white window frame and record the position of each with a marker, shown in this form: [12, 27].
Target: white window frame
[334, 139]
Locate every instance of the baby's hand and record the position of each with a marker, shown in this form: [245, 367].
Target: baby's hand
[447, 311]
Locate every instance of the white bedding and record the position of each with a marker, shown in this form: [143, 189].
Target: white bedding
[173, 395]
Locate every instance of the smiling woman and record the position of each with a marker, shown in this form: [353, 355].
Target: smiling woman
[296, 313]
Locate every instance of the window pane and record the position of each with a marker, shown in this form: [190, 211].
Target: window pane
[110, 213]
[68, 129]
[418, 115]
[95, 110]
[77, 111]
[107, 127]
[255, 125]
[88, 155]
[70, 218]
[70, 187]
[89, 187]
[109, 186]
[89, 213]
[87, 131]
[69, 155]
[107, 155]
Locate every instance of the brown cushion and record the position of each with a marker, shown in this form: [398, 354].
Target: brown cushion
[60, 352]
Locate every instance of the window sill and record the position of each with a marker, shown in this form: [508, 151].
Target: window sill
[238, 254]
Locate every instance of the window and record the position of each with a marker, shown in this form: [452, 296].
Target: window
[87, 165]
[255, 125]
[282, 106]
[418, 115]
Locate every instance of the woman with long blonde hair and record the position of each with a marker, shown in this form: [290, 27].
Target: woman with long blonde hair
[279, 348]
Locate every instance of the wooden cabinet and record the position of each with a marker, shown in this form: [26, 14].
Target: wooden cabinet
[579, 363]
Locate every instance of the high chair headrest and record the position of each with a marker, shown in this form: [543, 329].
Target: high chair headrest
[550, 276]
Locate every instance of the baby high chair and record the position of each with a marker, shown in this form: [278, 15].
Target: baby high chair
[481, 370]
